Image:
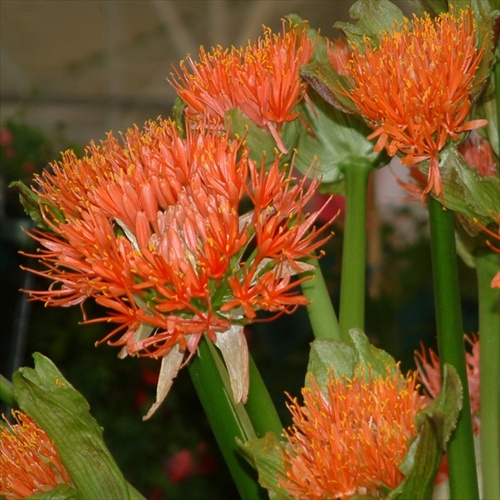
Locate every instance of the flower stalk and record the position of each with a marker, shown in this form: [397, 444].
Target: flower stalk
[259, 406]
[352, 285]
[228, 420]
[322, 316]
[460, 448]
[487, 264]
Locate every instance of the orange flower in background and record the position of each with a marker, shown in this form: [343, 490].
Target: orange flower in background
[262, 80]
[339, 54]
[414, 89]
[29, 462]
[152, 230]
[429, 375]
[351, 438]
[478, 153]
[489, 234]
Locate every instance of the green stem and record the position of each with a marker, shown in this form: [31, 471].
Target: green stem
[460, 448]
[228, 420]
[352, 284]
[7, 391]
[260, 407]
[322, 316]
[487, 264]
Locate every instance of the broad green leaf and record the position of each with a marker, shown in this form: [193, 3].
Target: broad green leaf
[377, 359]
[337, 139]
[345, 359]
[448, 404]
[265, 455]
[330, 355]
[487, 108]
[425, 456]
[433, 7]
[329, 85]
[60, 492]
[435, 424]
[465, 191]
[45, 395]
[486, 16]
[373, 17]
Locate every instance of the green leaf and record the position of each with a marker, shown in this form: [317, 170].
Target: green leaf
[465, 191]
[30, 202]
[45, 395]
[433, 7]
[329, 85]
[337, 139]
[487, 108]
[447, 405]
[259, 140]
[345, 359]
[423, 459]
[373, 17]
[265, 455]
[178, 115]
[330, 355]
[485, 19]
[435, 424]
[60, 492]
[377, 359]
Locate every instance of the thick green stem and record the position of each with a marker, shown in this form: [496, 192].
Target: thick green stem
[487, 264]
[260, 407]
[228, 420]
[7, 391]
[352, 284]
[322, 316]
[460, 448]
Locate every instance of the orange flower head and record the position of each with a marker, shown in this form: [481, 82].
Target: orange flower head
[262, 80]
[414, 89]
[29, 462]
[350, 438]
[152, 231]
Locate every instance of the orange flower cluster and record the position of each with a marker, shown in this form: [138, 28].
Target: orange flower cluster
[350, 439]
[429, 374]
[262, 80]
[152, 230]
[29, 462]
[415, 87]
